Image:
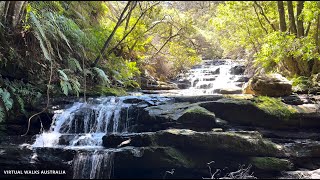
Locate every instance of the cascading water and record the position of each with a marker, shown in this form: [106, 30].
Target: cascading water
[96, 165]
[82, 126]
[214, 77]
[87, 122]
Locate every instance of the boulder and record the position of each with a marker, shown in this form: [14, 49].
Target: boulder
[268, 85]
[177, 115]
[237, 70]
[242, 79]
[184, 84]
[197, 117]
[253, 113]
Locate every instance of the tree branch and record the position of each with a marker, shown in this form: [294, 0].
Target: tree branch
[168, 40]
[255, 10]
[264, 15]
[133, 27]
[106, 44]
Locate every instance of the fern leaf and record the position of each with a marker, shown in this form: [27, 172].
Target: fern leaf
[63, 75]
[59, 31]
[64, 87]
[38, 25]
[102, 75]
[75, 86]
[74, 64]
[5, 95]
[43, 48]
[21, 104]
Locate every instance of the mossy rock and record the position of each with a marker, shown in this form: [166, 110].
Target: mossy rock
[197, 117]
[271, 164]
[260, 111]
[178, 115]
[274, 107]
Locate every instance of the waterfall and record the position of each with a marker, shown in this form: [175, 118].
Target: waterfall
[212, 76]
[96, 165]
[86, 123]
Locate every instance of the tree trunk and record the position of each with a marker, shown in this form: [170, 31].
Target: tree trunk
[106, 44]
[300, 29]
[317, 31]
[282, 19]
[293, 28]
[13, 13]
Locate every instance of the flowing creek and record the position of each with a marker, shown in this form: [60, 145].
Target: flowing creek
[79, 129]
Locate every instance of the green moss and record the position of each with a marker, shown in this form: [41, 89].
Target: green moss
[274, 106]
[271, 163]
[106, 91]
[198, 110]
[238, 96]
[177, 156]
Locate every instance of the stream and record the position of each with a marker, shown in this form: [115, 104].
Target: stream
[149, 136]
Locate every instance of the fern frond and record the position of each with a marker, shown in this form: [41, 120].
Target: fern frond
[21, 104]
[74, 64]
[38, 25]
[65, 86]
[63, 75]
[102, 75]
[59, 31]
[5, 95]
[75, 86]
[42, 46]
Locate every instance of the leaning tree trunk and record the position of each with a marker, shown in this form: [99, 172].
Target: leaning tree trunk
[300, 29]
[282, 19]
[106, 44]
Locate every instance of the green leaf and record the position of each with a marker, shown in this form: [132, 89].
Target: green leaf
[74, 64]
[6, 97]
[63, 75]
[102, 75]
